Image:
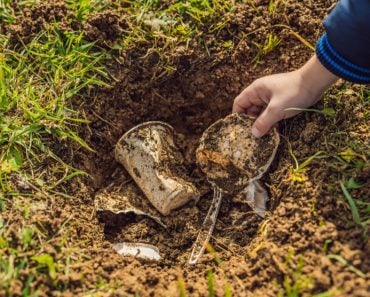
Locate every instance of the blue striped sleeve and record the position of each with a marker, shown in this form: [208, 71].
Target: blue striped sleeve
[338, 65]
[345, 47]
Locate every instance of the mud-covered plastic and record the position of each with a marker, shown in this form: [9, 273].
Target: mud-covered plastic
[149, 154]
[231, 157]
[233, 161]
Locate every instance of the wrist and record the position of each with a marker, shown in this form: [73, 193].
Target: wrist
[315, 78]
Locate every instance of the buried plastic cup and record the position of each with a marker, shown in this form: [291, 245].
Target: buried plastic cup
[149, 154]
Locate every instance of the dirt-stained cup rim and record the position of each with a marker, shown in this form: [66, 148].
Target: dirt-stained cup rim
[144, 125]
[139, 127]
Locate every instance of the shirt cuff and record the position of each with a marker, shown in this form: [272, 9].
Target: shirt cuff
[341, 67]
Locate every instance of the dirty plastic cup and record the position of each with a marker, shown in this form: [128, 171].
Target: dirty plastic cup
[150, 156]
[233, 161]
[231, 157]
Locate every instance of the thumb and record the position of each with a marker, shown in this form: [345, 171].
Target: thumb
[265, 121]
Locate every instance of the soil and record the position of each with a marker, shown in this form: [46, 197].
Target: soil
[257, 254]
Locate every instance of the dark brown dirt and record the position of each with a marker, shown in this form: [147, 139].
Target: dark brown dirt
[32, 20]
[305, 219]
[104, 28]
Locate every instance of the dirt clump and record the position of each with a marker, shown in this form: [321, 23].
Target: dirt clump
[104, 28]
[31, 20]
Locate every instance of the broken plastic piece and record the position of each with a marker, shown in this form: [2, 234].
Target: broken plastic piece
[140, 250]
[206, 230]
[256, 197]
[117, 203]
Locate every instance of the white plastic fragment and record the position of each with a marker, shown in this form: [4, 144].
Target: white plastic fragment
[256, 197]
[116, 204]
[206, 230]
[139, 250]
[138, 213]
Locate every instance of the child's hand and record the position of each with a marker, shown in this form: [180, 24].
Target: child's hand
[273, 95]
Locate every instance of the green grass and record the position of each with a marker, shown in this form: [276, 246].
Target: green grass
[348, 157]
[268, 45]
[345, 263]
[179, 24]
[83, 8]
[211, 284]
[360, 208]
[365, 98]
[182, 288]
[211, 290]
[6, 12]
[298, 172]
[327, 112]
[275, 5]
[295, 282]
[37, 83]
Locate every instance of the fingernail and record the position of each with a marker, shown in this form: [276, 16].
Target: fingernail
[256, 133]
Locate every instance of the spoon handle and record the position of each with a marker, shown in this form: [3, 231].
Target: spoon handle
[207, 228]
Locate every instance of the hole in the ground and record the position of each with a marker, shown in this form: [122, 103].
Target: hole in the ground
[190, 103]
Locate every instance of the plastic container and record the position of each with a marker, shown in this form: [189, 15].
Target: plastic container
[149, 154]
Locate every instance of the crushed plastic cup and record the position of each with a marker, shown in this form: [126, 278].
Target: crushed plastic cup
[232, 158]
[233, 161]
[150, 156]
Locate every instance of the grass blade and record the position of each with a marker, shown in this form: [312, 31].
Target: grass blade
[344, 262]
[181, 284]
[211, 285]
[352, 204]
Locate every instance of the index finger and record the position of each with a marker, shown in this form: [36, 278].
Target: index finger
[247, 99]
